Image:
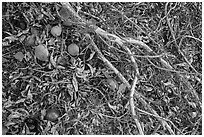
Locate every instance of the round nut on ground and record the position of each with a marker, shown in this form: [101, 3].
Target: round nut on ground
[73, 49]
[41, 52]
[56, 31]
[52, 114]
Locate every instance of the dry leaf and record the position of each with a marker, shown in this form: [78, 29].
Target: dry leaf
[112, 107]
[91, 56]
[93, 70]
[53, 62]
[75, 83]
[41, 52]
[19, 56]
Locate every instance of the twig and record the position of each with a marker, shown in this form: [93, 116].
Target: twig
[119, 117]
[172, 70]
[132, 107]
[107, 62]
[139, 56]
[132, 91]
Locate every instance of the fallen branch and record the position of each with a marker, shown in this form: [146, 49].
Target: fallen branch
[137, 94]
[164, 62]
[121, 42]
[107, 62]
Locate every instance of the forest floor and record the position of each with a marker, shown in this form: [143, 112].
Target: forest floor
[102, 68]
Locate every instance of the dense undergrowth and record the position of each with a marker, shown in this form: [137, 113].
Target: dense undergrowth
[87, 95]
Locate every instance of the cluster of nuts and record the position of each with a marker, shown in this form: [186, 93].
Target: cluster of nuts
[41, 51]
[73, 49]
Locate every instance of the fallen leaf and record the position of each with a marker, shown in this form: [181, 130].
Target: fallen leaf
[91, 56]
[53, 62]
[93, 70]
[19, 56]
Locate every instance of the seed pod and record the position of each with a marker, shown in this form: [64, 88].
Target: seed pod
[52, 114]
[41, 52]
[73, 49]
[56, 31]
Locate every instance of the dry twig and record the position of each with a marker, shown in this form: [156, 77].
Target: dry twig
[132, 106]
